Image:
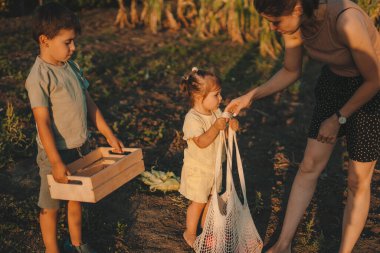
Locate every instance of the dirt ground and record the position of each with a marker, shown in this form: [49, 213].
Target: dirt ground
[134, 80]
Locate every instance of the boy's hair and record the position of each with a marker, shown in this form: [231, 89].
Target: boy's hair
[50, 18]
[199, 82]
[277, 8]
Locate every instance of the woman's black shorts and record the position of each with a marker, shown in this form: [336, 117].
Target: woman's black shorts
[362, 129]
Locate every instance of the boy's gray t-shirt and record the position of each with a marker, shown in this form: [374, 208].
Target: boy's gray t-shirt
[61, 89]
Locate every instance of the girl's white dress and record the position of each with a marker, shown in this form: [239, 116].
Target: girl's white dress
[197, 177]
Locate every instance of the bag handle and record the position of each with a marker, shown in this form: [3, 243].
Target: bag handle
[232, 141]
[218, 163]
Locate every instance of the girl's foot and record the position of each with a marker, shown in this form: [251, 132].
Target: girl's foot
[189, 238]
[279, 249]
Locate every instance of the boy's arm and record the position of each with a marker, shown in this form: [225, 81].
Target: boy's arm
[42, 118]
[205, 139]
[100, 123]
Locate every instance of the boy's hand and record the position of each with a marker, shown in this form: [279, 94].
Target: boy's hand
[115, 143]
[234, 124]
[60, 172]
[220, 124]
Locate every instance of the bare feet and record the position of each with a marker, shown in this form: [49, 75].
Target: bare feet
[189, 238]
[279, 249]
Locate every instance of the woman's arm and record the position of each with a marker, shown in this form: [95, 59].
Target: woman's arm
[288, 74]
[354, 34]
[100, 123]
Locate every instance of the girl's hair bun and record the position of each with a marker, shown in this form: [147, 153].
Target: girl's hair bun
[194, 69]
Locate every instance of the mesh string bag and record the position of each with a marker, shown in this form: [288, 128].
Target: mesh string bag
[229, 227]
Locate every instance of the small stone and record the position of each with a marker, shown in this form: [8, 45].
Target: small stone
[376, 230]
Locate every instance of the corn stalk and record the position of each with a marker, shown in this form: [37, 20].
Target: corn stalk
[121, 18]
[269, 45]
[372, 7]
[208, 18]
[234, 21]
[170, 20]
[152, 13]
[134, 15]
[202, 20]
[186, 12]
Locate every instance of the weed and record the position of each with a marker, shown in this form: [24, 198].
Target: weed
[121, 229]
[258, 204]
[13, 140]
[294, 89]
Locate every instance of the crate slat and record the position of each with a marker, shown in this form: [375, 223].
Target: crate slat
[119, 180]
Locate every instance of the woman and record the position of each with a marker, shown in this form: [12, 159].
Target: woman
[340, 34]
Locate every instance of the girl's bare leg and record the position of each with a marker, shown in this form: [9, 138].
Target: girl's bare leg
[204, 213]
[358, 200]
[192, 218]
[314, 161]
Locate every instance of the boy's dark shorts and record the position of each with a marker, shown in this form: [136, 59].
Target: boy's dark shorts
[67, 156]
[362, 129]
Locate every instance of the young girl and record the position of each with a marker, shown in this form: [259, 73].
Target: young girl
[201, 128]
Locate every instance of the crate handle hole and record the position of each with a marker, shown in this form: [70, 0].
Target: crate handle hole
[76, 182]
[116, 153]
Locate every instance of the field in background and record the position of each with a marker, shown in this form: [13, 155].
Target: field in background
[134, 77]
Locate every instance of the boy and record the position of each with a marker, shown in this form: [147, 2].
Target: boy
[60, 103]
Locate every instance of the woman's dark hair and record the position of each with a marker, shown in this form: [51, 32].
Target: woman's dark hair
[199, 82]
[50, 18]
[277, 8]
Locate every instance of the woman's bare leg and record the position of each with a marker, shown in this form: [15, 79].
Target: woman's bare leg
[314, 161]
[358, 200]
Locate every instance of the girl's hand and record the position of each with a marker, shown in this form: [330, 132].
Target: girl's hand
[60, 172]
[220, 124]
[239, 103]
[328, 130]
[115, 143]
[234, 124]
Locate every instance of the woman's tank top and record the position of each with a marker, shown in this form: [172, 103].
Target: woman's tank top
[326, 46]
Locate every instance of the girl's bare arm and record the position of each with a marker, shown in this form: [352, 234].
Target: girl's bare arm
[204, 140]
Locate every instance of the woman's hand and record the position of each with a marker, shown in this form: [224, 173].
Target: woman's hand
[328, 130]
[115, 143]
[234, 124]
[239, 103]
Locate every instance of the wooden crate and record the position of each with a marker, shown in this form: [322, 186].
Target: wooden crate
[98, 174]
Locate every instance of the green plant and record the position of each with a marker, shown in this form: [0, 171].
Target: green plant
[294, 89]
[372, 7]
[121, 229]
[258, 203]
[13, 140]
